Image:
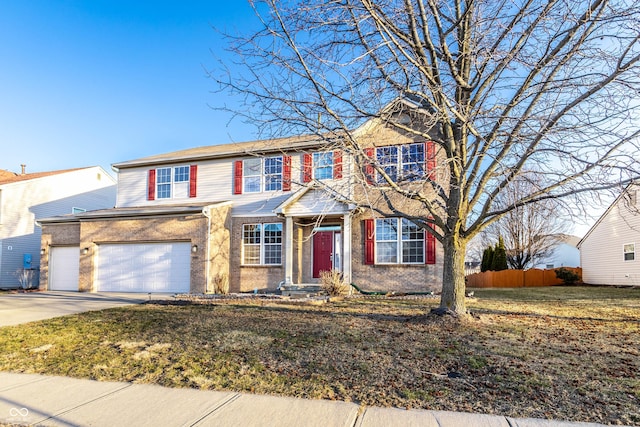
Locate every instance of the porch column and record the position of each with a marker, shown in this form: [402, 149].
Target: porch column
[346, 248]
[288, 250]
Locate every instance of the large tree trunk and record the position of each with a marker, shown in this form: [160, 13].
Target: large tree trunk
[453, 282]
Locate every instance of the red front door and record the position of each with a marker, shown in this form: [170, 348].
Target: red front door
[322, 252]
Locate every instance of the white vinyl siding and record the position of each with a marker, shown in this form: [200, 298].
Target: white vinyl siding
[144, 267]
[602, 254]
[48, 196]
[215, 184]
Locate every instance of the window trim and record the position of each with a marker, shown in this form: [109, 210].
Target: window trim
[400, 164]
[330, 166]
[172, 183]
[625, 252]
[399, 243]
[262, 244]
[263, 174]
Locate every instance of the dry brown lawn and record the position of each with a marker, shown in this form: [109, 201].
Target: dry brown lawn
[564, 353]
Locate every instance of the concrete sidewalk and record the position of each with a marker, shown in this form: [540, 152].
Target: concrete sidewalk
[27, 399]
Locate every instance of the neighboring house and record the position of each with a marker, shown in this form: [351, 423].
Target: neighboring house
[257, 215]
[565, 254]
[27, 197]
[609, 251]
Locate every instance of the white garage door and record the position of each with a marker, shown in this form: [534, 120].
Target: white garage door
[64, 268]
[144, 267]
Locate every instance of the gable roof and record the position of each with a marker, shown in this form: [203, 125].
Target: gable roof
[605, 213]
[7, 177]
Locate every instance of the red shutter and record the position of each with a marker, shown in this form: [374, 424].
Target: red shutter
[337, 164]
[237, 177]
[369, 242]
[286, 173]
[430, 258]
[369, 172]
[193, 179]
[430, 149]
[307, 167]
[151, 185]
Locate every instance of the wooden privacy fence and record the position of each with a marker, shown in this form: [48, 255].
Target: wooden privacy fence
[517, 278]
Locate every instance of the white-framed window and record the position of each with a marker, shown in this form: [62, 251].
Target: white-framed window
[629, 250]
[402, 162]
[172, 182]
[399, 241]
[262, 244]
[323, 165]
[262, 174]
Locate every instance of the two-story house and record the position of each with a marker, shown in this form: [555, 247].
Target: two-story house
[27, 197]
[257, 214]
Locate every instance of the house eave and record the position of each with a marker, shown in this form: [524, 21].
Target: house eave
[132, 213]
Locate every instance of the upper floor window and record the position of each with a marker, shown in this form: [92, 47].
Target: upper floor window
[629, 251]
[262, 244]
[172, 182]
[323, 165]
[404, 162]
[409, 162]
[262, 174]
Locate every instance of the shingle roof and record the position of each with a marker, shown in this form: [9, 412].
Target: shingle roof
[230, 150]
[131, 212]
[7, 177]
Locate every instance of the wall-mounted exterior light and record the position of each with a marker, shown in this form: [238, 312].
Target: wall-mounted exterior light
[85, 251]
[194, 248]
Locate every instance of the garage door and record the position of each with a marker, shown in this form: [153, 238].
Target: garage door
[64, 268]
[148, 267]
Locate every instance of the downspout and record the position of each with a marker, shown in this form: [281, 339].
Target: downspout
[206, 211]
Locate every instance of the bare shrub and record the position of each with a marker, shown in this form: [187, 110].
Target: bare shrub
[333, 283]
[221, 283]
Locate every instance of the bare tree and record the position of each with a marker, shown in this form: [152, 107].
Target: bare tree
[531, 232]
[504, 85]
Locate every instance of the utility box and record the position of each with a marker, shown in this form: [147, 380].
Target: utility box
[26, 261]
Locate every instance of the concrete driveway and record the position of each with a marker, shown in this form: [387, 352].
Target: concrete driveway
[28, 307]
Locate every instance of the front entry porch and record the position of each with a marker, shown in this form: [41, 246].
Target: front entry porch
[317, 236]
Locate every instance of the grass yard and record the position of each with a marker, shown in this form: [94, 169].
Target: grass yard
[564, 352]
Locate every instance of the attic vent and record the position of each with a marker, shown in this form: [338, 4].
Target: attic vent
[404, 119]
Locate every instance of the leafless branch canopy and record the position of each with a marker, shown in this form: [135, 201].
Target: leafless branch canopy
[509, 86]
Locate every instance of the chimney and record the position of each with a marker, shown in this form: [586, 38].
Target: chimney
[24, 169]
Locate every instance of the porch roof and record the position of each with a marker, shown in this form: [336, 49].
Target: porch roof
[327, 204]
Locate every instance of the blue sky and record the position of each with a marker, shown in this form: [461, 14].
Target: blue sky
[96, 82]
